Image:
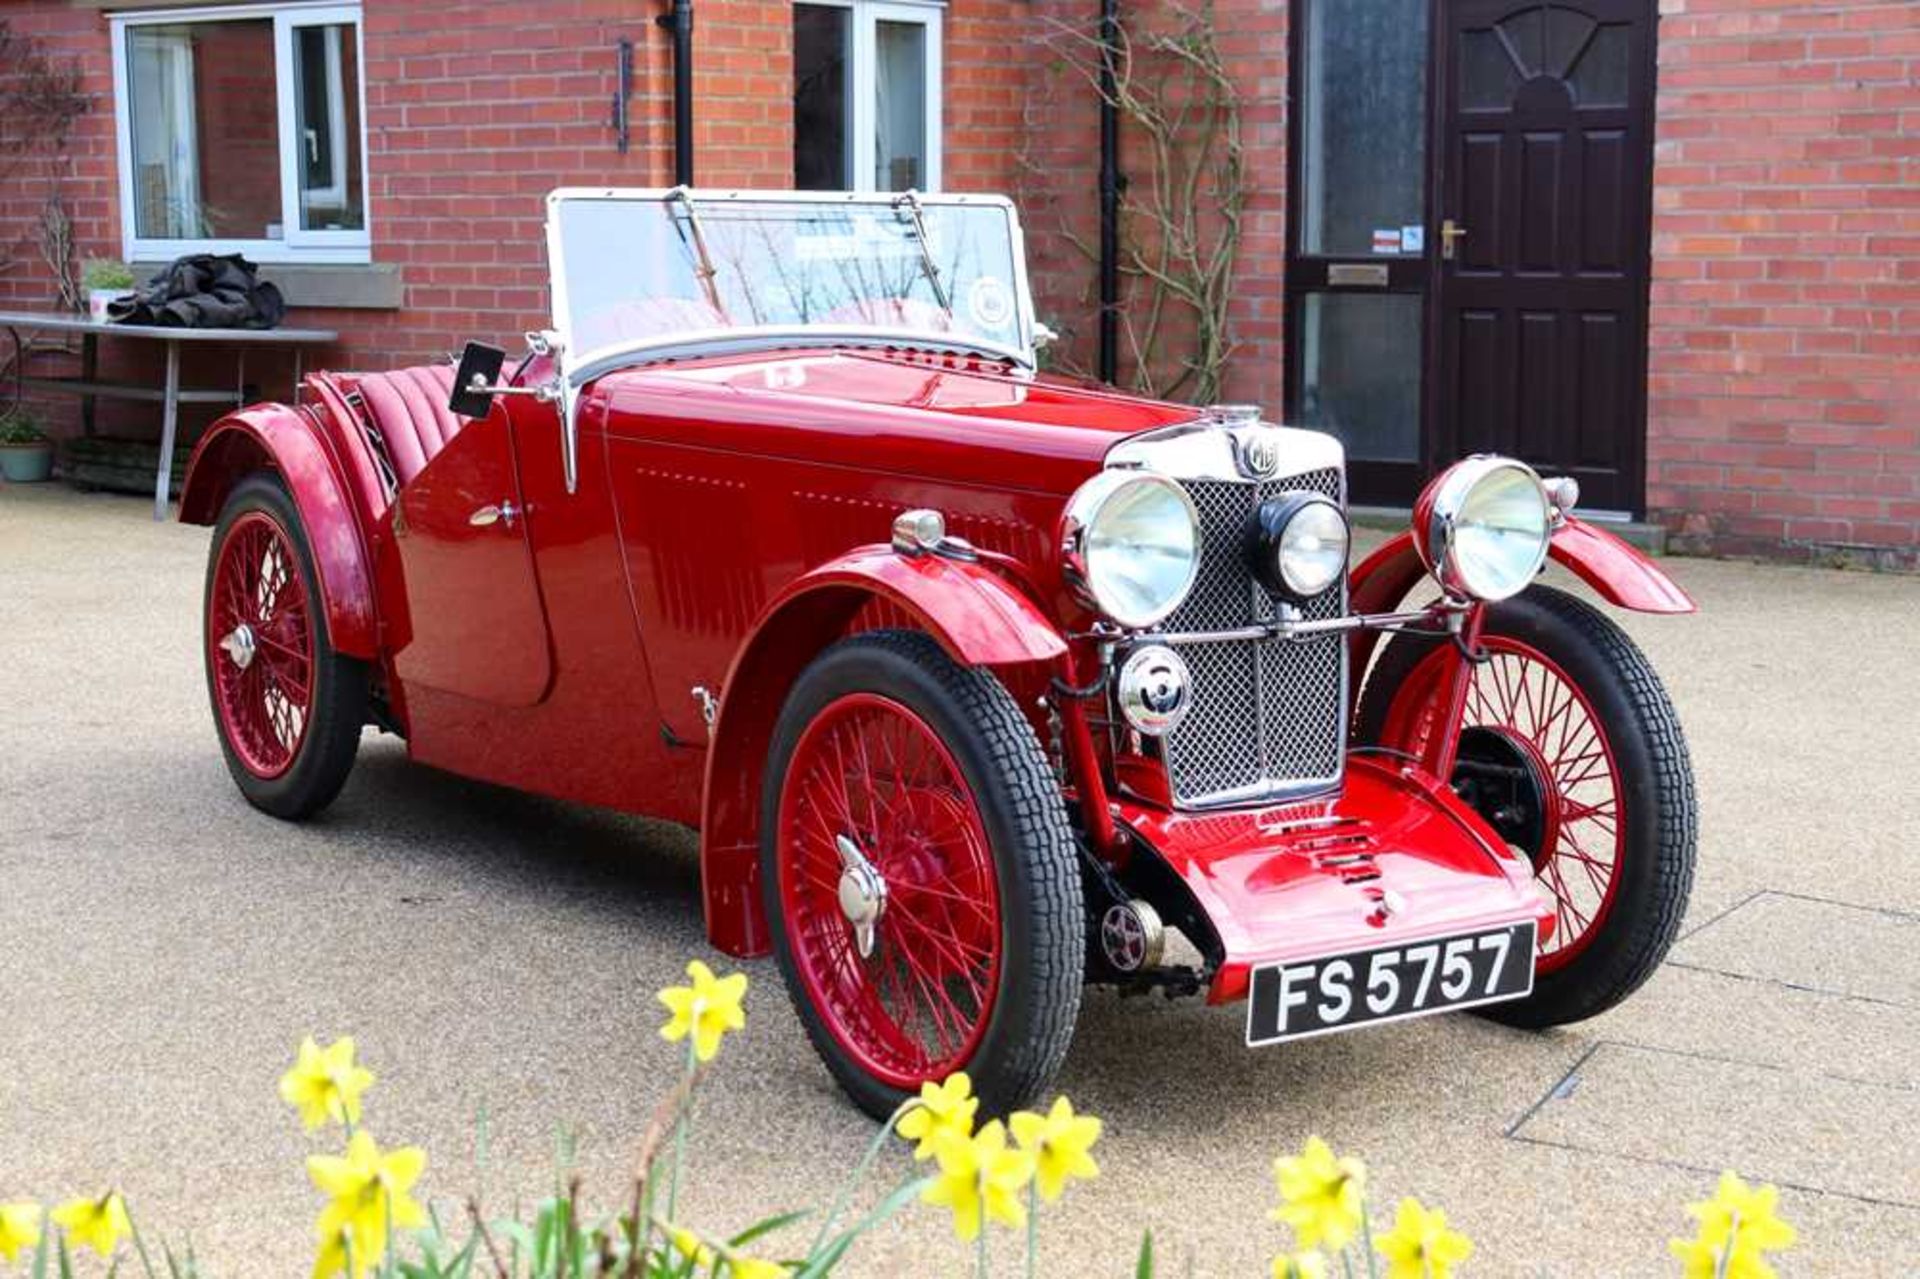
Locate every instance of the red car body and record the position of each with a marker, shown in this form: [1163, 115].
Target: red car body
[629, 640]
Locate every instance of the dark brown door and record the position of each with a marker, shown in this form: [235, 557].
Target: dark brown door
[1540, 308]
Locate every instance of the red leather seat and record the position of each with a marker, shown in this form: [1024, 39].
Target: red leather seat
[409, 409]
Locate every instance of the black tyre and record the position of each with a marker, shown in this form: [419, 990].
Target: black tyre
[1572, 751]
[287, 707]
[920, 876]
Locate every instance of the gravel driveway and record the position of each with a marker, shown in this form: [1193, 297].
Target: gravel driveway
[163, 948]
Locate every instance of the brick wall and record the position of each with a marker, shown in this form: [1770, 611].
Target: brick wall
[1785, 362]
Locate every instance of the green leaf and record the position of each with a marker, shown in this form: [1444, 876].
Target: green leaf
[1143, 1268]
[766, 1227]
[829, 1257]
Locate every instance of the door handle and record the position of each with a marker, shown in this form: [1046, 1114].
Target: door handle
[1451, 233]
[504, 513]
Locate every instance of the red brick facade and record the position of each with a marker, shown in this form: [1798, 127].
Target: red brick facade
[1784, 411]
[1785, 361]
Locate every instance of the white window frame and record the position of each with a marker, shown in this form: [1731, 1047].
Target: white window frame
[296, 245]
[862, 79]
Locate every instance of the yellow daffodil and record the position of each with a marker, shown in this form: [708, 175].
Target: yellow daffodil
[945, 1107]
[755, 1268]
[1321, 1197]
[1059, 1142]
[98, 1224]
[706, 1010]
[1739, 1225]
[325, 1083]
[369, 1199]
[980, 1179]
[19, 1229]
[1420, 1246]
[688, 1245]
[1300, 1265]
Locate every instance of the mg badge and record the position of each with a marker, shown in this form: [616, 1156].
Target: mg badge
[1258, 453]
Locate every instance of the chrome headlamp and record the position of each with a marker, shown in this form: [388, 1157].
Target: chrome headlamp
[1130, 546]
[1482, 527]
[1300, 545]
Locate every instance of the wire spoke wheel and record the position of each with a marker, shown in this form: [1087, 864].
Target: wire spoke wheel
[880, 835]
[260, 635]
[1541, 725]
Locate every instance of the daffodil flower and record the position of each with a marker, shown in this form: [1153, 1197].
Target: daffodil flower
[945, 1107]
[325, 1083]
[1300, 1265]
[1322, 1197]
[1737, 1226]
[98, 1224]
[19, 1229]
[980, 1179]
[1059, 1142]
[756, 1268]
[368, 1200]
[690, 1247]
[1420, 1246]
[706, 1010]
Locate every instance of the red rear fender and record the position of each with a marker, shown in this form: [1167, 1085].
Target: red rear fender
[975, 614]
[286, 440]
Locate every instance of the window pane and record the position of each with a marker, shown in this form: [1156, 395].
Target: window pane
[1362, 127]
[327, 127]
[206, 155]
[1360, 372]
[900, 106]
[822, 40]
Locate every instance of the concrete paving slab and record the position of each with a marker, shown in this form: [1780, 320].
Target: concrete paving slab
[163, 947]
[1809, 943]
[1686, 1110]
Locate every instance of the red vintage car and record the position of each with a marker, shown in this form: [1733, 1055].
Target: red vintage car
[978, 683]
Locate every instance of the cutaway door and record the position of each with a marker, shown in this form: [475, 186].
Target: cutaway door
[473, 608]
[1545, 168]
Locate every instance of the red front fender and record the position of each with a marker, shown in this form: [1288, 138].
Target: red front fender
[975, 614]
[1618, 572]
[273, 436]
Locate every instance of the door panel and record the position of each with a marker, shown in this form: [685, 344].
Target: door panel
[1545, 160]
[473, 604]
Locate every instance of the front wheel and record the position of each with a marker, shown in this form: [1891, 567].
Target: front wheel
[1571, 750]
[920, 876]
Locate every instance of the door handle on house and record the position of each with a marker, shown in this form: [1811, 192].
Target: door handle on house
[505, 512]
[1451, 233]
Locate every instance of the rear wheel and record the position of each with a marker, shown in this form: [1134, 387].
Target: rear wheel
[920, 876]
[288, 708]
[1572, 751]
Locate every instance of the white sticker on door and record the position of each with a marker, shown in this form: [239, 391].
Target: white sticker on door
[1386, 239]
[1413, 239]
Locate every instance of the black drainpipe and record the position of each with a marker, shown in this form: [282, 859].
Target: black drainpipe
[1110, 186]
[680, 23]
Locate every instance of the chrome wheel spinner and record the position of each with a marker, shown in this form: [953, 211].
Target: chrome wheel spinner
[863, 893]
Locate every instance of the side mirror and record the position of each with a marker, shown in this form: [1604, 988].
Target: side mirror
[474, 378]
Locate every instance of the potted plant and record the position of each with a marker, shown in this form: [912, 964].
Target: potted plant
[104, 280]
[26, 455]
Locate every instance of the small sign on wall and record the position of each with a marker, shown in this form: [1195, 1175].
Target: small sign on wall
[1386, 239]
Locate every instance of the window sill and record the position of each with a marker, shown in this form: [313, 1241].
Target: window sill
[359, 287]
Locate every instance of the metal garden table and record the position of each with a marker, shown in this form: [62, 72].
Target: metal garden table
[171, 395]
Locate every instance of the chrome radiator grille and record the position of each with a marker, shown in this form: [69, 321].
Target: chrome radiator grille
[1269, 716]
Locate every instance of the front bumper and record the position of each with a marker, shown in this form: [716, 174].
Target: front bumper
[1394, 857]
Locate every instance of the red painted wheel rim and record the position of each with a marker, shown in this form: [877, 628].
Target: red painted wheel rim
[263, 703]
[1525, 696]
[872, 770]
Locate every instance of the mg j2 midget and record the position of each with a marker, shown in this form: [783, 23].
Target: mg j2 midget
[978, 683]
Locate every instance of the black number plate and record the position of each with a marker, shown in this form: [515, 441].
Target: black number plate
[1363, 987]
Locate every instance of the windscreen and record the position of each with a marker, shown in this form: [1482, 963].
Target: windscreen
[646, 268]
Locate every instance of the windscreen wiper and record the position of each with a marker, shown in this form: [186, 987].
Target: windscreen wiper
[910, 200]
[703, 268]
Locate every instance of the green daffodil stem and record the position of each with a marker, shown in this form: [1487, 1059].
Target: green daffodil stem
[680, 1134]
[1726, 1249]
[859, 1175]
[140, 1246]
[980, 1269]
[1346, 1262]
[1366, 1235]
[1033, 1225]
